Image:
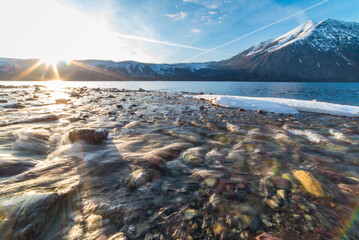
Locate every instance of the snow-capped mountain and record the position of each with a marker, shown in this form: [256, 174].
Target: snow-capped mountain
[137, 69]
[325, 51]
[328, 50]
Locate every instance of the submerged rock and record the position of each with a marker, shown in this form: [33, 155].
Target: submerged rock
[194, 155]
[309, 183]
[138, 179]
[266, 236]
[189, 214]
[45, 118]
[281, 183]
[2, 215]
[13, 168]
[13, 105]
[88, 135]
[94, 222]
[118, 236]
[61, 101]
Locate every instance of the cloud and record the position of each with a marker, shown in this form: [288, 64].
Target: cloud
[195, 30]
[178, 16]
[212, 12]
[214, 6]
[259, 29]
[211, 4]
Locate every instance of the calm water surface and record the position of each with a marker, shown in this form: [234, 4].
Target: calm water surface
[341, 93]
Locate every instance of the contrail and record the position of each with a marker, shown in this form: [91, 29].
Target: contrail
[160, 42]
[248, 34]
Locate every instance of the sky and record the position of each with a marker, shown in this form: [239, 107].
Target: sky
[157, 31]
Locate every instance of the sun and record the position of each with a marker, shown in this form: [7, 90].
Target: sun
[50, 61]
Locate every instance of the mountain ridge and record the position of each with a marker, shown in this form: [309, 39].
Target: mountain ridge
[324, 51]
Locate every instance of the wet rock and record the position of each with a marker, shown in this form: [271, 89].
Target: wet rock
[176, 167]
[61, 101]
[194, 155]
[75, 119]
[248, 215]
[141, 90]
[210, 182]
[189, 214]
[169, 152]
[266, 236]
[13, 105]
[213, 155]
[281, 183]
[282, 194]
[336, 177]
[88, 135]
[8, 169]
[94, 222]
[118, 236]
[141, 230]
[76, 233]
[149, 236]
[138, 178]
[2, 215]
[309, 183]
[261, 111]
[45, 118]
[267, 222]
[214, 201]
[273, 203]
[3, 101]
[218, 228]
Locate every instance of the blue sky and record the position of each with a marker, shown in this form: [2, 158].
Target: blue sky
[159, 31]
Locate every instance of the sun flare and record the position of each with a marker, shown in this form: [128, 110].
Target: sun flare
[50, 61]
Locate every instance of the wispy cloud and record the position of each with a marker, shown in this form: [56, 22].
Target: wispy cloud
[178, 16]
[143, 39]
[195, 30]
[211, 4]
[257, 30]
[214, 6]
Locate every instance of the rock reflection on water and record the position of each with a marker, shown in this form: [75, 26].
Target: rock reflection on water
[81, 163]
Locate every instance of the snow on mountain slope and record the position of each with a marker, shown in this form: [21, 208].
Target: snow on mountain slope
[140, 69]
[288, 38]
[327, 51]
[324, 36]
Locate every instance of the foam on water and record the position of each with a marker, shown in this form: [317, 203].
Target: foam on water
[310, 136]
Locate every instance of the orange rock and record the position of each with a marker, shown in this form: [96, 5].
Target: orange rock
[309, 183]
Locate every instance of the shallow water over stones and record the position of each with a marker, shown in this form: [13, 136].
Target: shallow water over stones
[117, 164]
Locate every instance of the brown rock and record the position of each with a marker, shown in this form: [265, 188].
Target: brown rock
[281, 183]
[88, 135]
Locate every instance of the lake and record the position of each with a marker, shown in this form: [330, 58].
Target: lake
[341, 93]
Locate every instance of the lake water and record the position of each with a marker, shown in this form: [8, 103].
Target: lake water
[341, 93]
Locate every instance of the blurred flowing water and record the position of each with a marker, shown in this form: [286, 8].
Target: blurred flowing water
[172, 167]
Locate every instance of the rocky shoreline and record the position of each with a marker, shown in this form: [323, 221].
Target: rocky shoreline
[82, 163]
